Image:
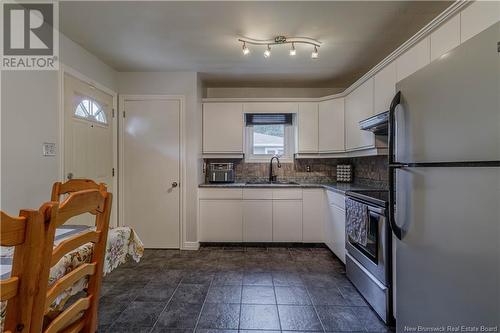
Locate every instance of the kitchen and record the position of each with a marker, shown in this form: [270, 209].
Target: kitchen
[343, 180]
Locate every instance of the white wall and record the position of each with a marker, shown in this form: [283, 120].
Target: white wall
[176, 83]
[76, 57]
[29, 117]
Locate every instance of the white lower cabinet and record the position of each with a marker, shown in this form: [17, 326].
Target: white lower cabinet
[221, 220]
[273, 215]
[287, 220]
[257, 220]
[337, 219]
[335, 224]
[313, 215]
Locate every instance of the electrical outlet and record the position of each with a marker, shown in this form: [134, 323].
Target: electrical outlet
[308, 168]
[49, 149]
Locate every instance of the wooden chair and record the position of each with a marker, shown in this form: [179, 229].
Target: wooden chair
[27, 234]
[81, 316]
[75, 185]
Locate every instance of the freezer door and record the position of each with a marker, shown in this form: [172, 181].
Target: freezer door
[450, 109]
[448, 260]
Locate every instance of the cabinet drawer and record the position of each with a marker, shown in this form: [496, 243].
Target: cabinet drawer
[257, 194]
[287, 194]
[336, 199]
[220, 193]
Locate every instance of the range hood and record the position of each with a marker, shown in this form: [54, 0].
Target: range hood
[378, 124]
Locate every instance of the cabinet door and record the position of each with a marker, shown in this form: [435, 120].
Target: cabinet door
[414, 59]
[331, 126]
[257, 220]
[384, 88]
[307, 124]
[359, 106]
[221, 220]
[287, 220]
[270, 107]
[223, 128]
[445, 38]
[477, 17]
[313, 215]
[338, 219]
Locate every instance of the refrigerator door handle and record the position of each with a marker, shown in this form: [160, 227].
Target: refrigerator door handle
[397, 230]
[392, 126]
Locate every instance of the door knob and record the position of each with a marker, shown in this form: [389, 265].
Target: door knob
[174, 184]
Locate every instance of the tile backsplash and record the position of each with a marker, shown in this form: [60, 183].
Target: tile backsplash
[371, 170]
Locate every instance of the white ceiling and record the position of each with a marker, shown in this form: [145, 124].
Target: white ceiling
[202, 37]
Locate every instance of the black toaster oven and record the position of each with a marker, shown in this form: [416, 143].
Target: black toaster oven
[221, 173]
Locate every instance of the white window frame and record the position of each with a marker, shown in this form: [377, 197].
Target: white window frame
[90, 118]
[289, 148]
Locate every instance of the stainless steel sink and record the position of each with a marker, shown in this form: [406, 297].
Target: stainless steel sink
[271, 183]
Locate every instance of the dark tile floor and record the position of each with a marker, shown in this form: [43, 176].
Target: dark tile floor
[234, 289]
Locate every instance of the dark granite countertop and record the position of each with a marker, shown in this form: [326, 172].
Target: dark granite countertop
[336, 187]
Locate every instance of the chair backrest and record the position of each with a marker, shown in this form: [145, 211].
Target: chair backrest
[81, 316]
[27, 234]
[75, 185]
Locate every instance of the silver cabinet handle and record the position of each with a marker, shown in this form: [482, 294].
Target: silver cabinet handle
[174, 184]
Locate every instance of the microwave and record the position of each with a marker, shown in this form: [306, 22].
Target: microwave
[221, 173]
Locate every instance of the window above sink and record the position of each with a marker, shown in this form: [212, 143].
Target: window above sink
[268, 135]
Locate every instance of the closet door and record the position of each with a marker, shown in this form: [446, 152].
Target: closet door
[150, 170]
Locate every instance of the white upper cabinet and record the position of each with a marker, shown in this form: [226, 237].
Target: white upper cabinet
[359, 106]
[384, 87]
[414, 59]
[271, 107]
[223, 128]
[477, 17]
[307, 128]
[331, 126]
[445, 38]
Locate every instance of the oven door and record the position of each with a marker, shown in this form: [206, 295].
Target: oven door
[374, 256]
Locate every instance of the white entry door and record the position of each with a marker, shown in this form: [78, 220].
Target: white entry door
[151, 170]
[88, 136]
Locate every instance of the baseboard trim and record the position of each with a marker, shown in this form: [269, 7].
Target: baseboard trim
[191, 246]
[262, 244]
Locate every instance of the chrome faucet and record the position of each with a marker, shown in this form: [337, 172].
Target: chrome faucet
[272, 177]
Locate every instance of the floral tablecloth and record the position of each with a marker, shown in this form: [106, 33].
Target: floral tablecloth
[123, 243]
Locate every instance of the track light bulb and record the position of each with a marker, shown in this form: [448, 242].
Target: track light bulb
[267, 52]
[293, 52]
[246, 50]
[315, 54]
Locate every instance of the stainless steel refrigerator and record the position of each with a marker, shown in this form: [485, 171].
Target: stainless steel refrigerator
[444, 179]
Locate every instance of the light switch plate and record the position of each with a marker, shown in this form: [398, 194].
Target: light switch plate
[49, 149]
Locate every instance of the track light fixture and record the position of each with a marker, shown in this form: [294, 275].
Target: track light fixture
[267, 52]
[246, 50]
[281, 40]
[315, 54]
